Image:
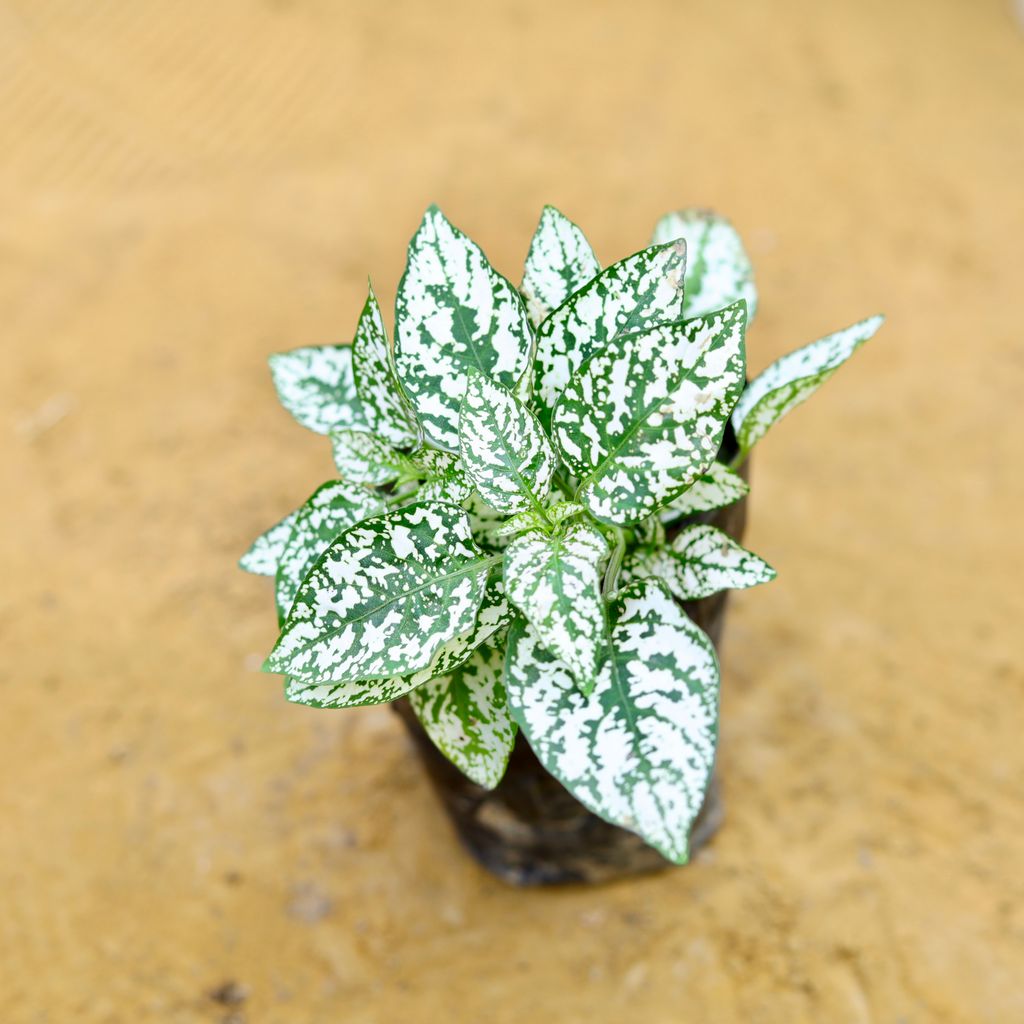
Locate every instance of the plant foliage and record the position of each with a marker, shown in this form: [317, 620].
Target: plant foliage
[518, 510]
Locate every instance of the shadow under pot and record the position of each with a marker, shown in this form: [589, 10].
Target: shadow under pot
[529, 829]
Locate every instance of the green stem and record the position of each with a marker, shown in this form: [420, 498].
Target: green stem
[563, 484]
[611, 576]
[400, 493]
[741, 457]
[540, 510]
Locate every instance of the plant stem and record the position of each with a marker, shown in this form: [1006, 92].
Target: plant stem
[611, 576]
[400, 493]
[741, 457]
[563, 485]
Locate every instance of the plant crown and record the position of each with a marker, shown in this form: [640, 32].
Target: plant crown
[517, 514]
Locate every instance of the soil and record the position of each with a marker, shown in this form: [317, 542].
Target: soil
[187, 188]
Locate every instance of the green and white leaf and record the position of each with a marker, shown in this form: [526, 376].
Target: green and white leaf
[645, 417]
[387, 413]
[633, 295]
[317, 387]
[504, 449]
[556, 583]
[364, 458]
[793, 379]
[466, 715]
[716, 488]
[532, 520]
[495, 614]
[639, 751]
[560, 262]
[330, 509]
[454, 311]
[265, 552]
[718, 269]
[701, 561]
[443, 477]
[384, 597]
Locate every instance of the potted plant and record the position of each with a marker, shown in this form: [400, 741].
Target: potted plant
[540, 497]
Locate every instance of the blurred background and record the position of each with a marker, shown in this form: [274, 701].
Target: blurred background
[189, 187]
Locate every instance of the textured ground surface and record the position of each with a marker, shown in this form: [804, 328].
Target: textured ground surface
[188, 187]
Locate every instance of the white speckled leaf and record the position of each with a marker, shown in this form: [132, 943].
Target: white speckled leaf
[466, 715]
[700, 562]
[532, 520]
[443, 477]
[716, 488]
[718, 269]
[364, 458]
[521, 523]
[639, 751]
[645, 417]
[556, 583]
[453, 312]
[633, 295]
[316, 386]
[384, 597]
[265, 552]
[330, 509]
[495, 614]
[504, 449]
[384, 407]
[794, 378]
[560, 262]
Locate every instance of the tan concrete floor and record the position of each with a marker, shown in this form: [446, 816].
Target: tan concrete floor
[187, 187]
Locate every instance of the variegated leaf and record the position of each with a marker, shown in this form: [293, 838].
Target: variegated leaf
[443, 477]
[384, 597]
[700, 562]
[454, 311]
[504, 449]
[494, 615]
[718, 270]
[716, 488]
[364, 458]
[532, 520]
[645, 417]
[316, 386]
[559, 263]
[387, 413]
[330, 509]
[521, 523]
[556, 583]
[793, 379]
[265, 552]
[639, 751]
[633, 295]
[564, 510]
[466, 714]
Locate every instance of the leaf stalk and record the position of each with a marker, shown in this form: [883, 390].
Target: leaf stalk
[611, 576]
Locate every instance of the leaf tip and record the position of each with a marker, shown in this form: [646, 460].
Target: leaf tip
[680, 857]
